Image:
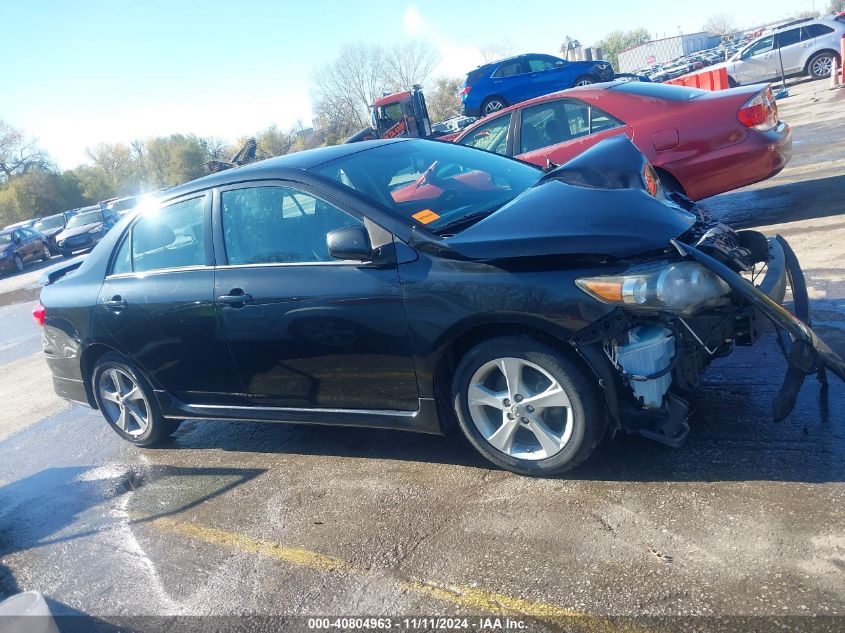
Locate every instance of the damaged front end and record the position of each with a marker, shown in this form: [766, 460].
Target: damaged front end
[654, 346]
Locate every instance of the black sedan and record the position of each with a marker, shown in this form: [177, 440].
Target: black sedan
[21, 246]
[84, 230]
[50, 227]
[418, 285]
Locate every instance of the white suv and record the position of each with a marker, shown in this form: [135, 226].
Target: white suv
[808, 48]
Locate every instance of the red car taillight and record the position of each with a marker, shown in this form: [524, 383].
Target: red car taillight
[760, 112]
[465, 91]
[39, 313]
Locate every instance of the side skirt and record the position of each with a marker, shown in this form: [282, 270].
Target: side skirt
[423, 420]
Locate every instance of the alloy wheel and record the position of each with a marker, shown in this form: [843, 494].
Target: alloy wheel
[45, 252]
[584, 82]
[124, 404]
[520, 409]
[822, 66]
[493, 106]
[19, 263]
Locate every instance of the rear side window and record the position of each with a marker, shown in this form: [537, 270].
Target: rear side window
[509, 69]
[817, 30]
[491, 136]
[788, 38]
[278, 225]
[659, 91]
[172, 237]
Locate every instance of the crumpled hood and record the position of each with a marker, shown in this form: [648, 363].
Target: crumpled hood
[556, 218]
[78, 230]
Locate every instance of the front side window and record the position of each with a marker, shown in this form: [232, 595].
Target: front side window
[539, 64]
[557, 122]
[170, 237]
[53, 222]
[439, 185]
[762, 46]
[491, 136]
[278, 225]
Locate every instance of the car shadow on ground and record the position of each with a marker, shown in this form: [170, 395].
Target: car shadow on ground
[777, 204]
[61, 504]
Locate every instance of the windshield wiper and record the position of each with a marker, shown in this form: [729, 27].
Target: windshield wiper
[462, 222]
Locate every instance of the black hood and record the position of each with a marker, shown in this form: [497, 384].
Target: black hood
[596, 204]
[555, 218]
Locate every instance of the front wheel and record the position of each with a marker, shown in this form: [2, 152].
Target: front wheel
[45, 253]
[127, 402]
[19, 263]
[526, 407]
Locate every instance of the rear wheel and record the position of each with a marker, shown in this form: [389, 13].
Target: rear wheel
[492, 105]
[585, 80]
[821, 65]
[526, 407]
[127, 402]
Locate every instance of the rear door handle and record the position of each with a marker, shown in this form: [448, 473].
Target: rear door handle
[236, 296]
[115, 303]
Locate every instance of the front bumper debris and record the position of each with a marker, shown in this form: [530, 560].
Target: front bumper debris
[805, 352]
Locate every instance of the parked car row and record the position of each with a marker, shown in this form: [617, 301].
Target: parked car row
[800, 47]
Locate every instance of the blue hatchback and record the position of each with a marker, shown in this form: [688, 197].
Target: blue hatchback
[494, 86]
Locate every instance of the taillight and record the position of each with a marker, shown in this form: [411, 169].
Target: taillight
[39, 312]
[760, 112]
[465, 91]
[652, 184]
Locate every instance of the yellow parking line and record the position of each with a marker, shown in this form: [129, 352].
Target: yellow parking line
[478, 599]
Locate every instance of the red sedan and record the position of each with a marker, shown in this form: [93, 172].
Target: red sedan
[701, 143]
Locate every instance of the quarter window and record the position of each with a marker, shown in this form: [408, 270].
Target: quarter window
[272, 225]
[491, 136]
[172, 237]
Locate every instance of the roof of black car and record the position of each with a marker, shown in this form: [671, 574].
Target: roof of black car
[270, 167]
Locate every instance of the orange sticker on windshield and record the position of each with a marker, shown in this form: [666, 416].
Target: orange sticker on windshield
[425, 216]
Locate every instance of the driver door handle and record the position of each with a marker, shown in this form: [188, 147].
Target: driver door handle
[115, 303]
[235, 296]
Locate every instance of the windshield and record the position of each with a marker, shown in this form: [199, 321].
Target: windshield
[440, 185]
[85, 218]
[53, 222]
[5, 239]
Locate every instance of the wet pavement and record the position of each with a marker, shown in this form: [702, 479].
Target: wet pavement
[241, 518]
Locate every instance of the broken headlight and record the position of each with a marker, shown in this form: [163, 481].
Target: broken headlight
[682, 287]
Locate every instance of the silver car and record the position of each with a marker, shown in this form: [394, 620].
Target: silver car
[808, 48]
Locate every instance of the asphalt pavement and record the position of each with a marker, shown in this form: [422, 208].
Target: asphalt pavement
[744, 520]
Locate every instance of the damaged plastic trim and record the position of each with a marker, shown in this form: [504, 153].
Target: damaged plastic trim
[807, 353]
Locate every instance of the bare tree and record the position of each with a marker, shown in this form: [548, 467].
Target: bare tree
[443, 100]
[18, 154]
[344, 89]
[720, 24]
[494, 51]
[409, 64]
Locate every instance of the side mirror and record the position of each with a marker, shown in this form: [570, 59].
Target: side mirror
[559, 64]
[350, 242]
[17, 239]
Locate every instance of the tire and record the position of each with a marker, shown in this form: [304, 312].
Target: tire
[136, 418]
[492, 105]
[570, 433]
[669, 182]
[585, 80]
[821, 64]
[45, 252]
[19, 263]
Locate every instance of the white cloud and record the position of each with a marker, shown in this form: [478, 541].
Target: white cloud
[413, 23]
